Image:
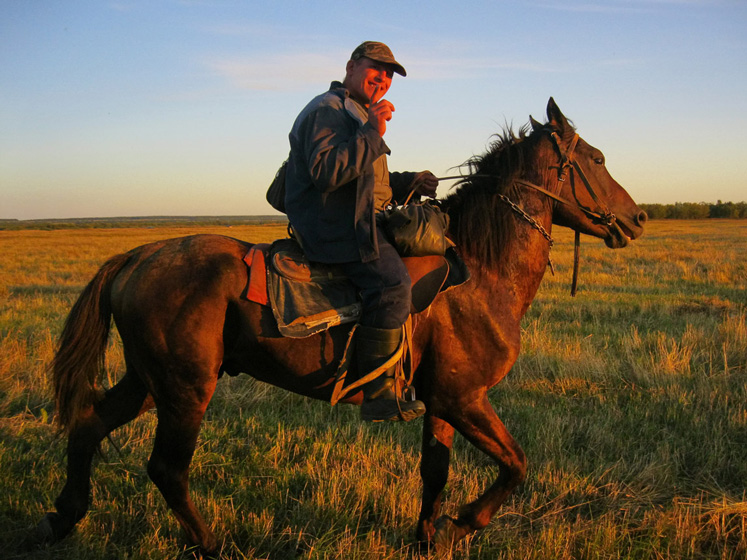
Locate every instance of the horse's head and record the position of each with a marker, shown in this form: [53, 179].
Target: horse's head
[593, 202]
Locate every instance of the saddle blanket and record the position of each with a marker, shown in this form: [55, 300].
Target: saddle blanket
[308, 298]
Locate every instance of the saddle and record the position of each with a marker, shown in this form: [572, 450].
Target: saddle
[307, 298]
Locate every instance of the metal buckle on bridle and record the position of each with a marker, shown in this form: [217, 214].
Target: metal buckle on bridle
[608, 218]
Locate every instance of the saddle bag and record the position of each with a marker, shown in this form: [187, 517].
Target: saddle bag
[276, 193]
[417, 229]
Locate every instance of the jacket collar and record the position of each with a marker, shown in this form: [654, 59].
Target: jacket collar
[353, 108]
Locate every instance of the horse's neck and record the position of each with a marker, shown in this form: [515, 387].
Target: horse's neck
[514, 281]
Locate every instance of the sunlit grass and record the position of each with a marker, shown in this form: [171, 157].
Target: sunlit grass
[628, 399]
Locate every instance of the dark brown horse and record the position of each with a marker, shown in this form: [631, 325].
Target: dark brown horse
[179, 309]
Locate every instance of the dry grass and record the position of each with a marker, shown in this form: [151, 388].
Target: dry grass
[629, 401]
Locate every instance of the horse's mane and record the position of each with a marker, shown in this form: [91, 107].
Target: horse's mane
[481, 223]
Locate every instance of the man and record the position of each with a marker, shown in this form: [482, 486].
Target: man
[337, 180]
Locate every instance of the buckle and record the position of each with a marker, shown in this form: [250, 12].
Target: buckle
[408, 394]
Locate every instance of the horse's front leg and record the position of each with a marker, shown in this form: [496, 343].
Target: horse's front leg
[434, 470]
[479, 423]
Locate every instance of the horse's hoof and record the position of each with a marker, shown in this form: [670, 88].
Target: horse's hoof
[199, 553]
[51, 529]
[209, 550]
[425, 546]
[44, 533]
[448, 532]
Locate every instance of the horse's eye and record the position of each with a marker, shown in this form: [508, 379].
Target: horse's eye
[599, 160]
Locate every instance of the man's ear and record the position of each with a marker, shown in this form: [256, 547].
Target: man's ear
[348, 70]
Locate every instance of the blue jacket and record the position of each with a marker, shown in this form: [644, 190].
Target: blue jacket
[330, 180]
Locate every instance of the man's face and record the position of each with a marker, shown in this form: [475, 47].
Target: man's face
[368, 80]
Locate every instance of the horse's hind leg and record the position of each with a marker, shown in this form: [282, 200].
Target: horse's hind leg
[122, 403]
[479, 423]
[438, 437]
[179, 418]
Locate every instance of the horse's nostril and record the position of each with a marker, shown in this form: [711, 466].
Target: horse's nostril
[641, 218]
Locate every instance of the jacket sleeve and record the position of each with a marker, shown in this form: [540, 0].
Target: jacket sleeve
[336, 149]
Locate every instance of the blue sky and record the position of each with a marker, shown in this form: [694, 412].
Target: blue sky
[136, 108]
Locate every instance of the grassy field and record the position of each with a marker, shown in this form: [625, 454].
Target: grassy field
[630, 401]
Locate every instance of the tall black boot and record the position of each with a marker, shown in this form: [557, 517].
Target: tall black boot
[373, 348]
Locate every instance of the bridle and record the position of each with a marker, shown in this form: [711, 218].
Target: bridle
[602, 215]
[568, 162]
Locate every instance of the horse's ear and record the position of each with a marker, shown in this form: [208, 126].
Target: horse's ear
[536, 125]
[556, 119]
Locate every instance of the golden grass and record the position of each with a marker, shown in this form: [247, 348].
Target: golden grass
[629, 401]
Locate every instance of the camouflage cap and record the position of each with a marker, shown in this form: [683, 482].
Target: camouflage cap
[378, 52]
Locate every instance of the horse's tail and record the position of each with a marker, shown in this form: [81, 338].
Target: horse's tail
[79, 360]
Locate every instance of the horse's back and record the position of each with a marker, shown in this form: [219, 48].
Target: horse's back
[182, 261]
[169, 302]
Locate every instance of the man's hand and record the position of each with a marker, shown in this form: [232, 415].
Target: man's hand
[378, 115]
[379, 112]
[425, 183]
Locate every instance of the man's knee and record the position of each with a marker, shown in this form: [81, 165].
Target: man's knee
[387, 308]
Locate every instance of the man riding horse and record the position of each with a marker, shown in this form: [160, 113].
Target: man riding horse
[337, 179]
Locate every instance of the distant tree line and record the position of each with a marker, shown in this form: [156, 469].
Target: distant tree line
[695, 210]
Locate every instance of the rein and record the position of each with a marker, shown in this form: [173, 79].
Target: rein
[567, 161]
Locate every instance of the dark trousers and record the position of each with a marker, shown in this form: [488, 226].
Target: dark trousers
[385, 287]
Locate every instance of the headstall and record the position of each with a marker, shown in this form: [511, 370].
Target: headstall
[602, 215]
